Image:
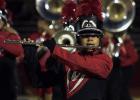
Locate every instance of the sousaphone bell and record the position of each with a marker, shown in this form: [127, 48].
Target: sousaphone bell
[49, 9]
[118, 14]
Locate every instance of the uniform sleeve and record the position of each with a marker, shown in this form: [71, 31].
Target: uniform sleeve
[100, 65]
[49, 90]
[43, 59]
[129, 54]
[50, 44]
[15, 49]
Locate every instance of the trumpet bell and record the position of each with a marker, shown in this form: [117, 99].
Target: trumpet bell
[118, 14]
[66, 38]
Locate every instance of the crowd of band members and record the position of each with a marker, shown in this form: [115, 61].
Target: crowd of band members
[43, 75]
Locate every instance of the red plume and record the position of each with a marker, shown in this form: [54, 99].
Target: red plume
[68, 11]
[89, 7]
[2, 4]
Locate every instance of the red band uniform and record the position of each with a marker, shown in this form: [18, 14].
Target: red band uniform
[83, 72]
[8, 54]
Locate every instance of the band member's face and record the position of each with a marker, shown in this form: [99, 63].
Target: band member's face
[90, 40]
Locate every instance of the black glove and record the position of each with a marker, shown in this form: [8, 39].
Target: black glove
[116, 61]
[50, 44]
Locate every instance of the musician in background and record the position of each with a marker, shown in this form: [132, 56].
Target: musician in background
[128, 60]
[8, 54]
[44, 32]
[121, 48]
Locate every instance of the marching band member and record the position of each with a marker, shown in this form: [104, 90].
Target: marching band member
[8, 54]
[79, 74]
[41, 35]
[128, 57]
[82, 72]
[121, 48]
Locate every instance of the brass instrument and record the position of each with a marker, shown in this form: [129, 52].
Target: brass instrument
[49, 9]
[65, 39]
[118, 14]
